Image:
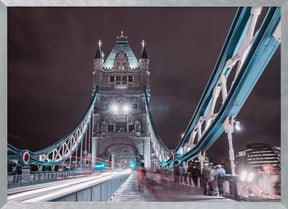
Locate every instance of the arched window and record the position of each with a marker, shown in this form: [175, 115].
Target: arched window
[118, 66]
[124, 66]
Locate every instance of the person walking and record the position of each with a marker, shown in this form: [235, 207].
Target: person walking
[207, 179]
[141, 177]
[219, 177]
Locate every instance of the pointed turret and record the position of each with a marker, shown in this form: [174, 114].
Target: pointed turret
[98, 52]
[144, 67]
[98, 65]
[98, 59]
[144, 53]
[144, 60]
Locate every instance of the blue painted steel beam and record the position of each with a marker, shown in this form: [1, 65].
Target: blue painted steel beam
[259, 56]
[230, 47]
[18, 152]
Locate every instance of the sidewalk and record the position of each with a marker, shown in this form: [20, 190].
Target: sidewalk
[164, 192]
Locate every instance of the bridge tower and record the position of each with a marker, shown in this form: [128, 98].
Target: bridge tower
[120, 130]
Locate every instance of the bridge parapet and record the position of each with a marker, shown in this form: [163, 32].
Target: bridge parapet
[42, 177]
[97, 187]
[233, 186]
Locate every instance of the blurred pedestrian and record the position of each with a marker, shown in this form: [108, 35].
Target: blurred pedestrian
[141, 173]
[219, 179]
[207, 179]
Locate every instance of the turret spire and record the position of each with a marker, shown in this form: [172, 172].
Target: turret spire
[144, 53]
[143, 44]
[99, 52]
[99, 43]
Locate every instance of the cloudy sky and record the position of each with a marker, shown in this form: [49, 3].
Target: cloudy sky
[50, 60]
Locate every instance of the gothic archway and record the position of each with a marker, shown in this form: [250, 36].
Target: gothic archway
[122, 154]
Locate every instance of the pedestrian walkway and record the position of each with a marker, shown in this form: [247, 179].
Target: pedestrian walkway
[160, 192]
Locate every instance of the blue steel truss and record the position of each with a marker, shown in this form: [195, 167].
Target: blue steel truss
[61, 150]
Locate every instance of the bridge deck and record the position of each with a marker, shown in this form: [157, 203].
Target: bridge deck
[160, 192]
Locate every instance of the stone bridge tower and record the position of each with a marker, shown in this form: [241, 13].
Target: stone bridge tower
[120, 132]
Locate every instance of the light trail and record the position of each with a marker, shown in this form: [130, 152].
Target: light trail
[58, 189]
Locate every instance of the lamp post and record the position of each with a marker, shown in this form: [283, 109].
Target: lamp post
[229, 129]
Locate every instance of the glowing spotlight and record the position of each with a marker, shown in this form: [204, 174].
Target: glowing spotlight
[126, 108]
[237, 125]
[114, 108]
[250, 177]
[243, 176]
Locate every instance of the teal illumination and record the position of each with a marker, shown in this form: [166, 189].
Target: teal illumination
[132, 165]
[100, 166]
[121, 46]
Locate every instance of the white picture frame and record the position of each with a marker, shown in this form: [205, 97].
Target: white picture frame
[4, 4]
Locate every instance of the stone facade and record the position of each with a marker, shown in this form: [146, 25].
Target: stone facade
[120, 130]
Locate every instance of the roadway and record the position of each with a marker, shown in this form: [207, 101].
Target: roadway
[53, 190]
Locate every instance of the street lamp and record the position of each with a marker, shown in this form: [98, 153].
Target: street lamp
[237, 125]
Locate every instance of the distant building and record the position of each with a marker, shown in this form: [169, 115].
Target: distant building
[256, 155]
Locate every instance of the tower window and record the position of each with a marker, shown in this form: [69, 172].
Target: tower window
[105, 106]
[124, 79]
[118, 66]
[110, 128]
[121, 127]
[118, 79]
[130, 78]
[131, 128]
[134, 105]
[112, 78]
[124, 66]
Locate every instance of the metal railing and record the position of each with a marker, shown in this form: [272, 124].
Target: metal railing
[97, 193]
[42, 177]
[233, 187]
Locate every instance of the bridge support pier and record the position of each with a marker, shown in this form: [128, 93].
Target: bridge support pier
[147, 153]
[229, 128]
[93, 152]
[113, 159]
[201, 157]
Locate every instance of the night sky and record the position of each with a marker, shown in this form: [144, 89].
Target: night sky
[50, 62]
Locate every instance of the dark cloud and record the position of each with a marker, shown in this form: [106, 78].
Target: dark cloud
[50, 60]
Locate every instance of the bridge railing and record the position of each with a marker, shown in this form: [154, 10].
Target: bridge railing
[263, 187]
[99, 192]
[42, 177]
[233, 187]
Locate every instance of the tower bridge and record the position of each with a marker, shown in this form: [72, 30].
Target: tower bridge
[117, 130]
[120, 130]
